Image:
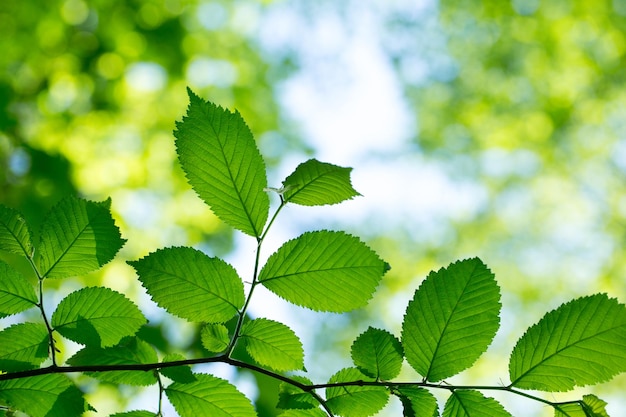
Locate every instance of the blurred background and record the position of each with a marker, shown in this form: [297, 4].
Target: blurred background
[475, 128]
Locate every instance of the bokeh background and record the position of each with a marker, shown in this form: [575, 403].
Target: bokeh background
[475, 128]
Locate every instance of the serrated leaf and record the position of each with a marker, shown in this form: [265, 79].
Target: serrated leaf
[52, 395]
[469, 403]
[97, 316]
[135, 413]
[324, 271]
[378, 354]
[191, 285]
[417, 402]
[214, 337]
[451, 320]
[23, 346]
[15, 235]
[223, 164]
[181, 373]
[78, 236]
[290, 396]
[272, 344]
[316, 183]
[355, 400]
[209, 396]
[16, 294]
[130, 351]
[590, 406]
[581, 342]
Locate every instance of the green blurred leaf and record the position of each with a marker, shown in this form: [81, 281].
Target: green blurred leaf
[214, 337]
[135, 413]
[378, 354]
[16, 294]
[417, 402]
[78, 236]
[52, 395]
[324, 271]
[316, 183]
[209, 396]
[311, 412]
[181, 373]
[469, 403]
[15, 235]
[290, 396]
[191, 285]
[223, 164]
[581, 342]
[130, 351]
[355, 400]
[23, 346]
[97, 316]
[272, 344]
[451, 320]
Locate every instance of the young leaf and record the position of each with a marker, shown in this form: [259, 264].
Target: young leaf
[23, 346]
[451, 320]
[355, 400]
[417, 402]
[316, 183]
[214, 337]
[16, 294]
[209, 396]
[469, 403]
[78, 236]
[223, 164]
[177, 373]
[378, 354]
[191, 285]
[130, 351]
[52, 395]
[15, 235]
[97, 316]
[272, 344]
[324, 271]
[580, 343]
[290, 396]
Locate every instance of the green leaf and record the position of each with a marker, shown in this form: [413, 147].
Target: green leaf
[97, 316]
[78, 236]
[191, 285]
[590, 406]
[290, 396]
[469, 403]
[451, 320]
[378, 354]
[223, 164]
[324, 271]
[209, 396]
[417, 402]
[355, 400]
[23, 346]
[180, 373]
[582, 342]
[16, 294]
[15, 235]
[135, 413]
[272, 344]
[52, 395]
[316, 183]
[312, 412]
[130, 351]
[214, 337]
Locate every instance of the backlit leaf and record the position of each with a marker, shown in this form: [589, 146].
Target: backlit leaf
[451, 320]
[316, 183]
[311, 412]
[469, 403]
[378, 354]
[134, 413]
[223, 164]
[180, 373]
[78, 236]
[209, 396]
[417, 402]
[324, 271]
[590, 406]
[191, 285]
[272, 344]
[290, 396]
[97, 316]
[23, 346]
[355, 400]
[15, 236]
[16, 294]
[214, 337]
[581, 342]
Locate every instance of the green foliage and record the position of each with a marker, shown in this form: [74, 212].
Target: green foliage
[449, 323]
